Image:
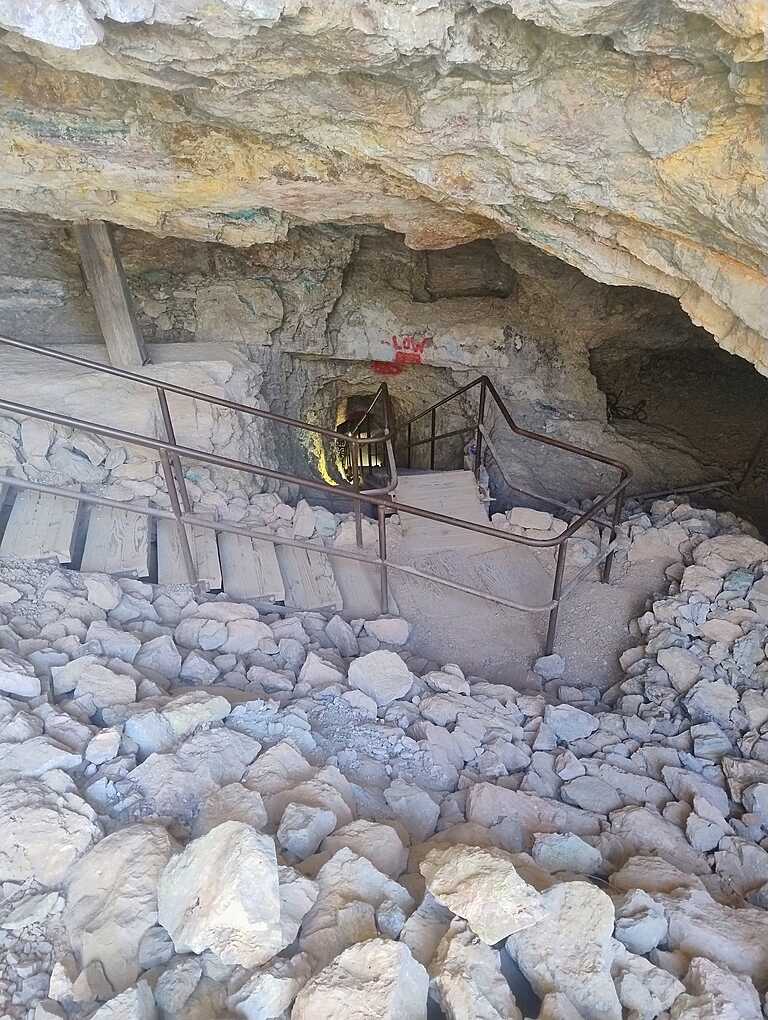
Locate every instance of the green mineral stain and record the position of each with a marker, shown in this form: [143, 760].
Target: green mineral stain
[80, 130]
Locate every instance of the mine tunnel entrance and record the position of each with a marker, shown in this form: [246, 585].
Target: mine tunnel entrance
[711, 401]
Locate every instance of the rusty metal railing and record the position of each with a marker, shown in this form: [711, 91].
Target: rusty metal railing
[478, 429]
[171, 455]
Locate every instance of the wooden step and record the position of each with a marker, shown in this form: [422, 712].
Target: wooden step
[308, 578]
[40, 526]
[249, 568]
[360, 587]
[171, 568]
[117, 542]
[453, 493]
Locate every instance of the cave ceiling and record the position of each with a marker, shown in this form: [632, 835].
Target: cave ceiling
[626, 137]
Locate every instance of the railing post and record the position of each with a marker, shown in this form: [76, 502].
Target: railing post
[358, 504]
[408, 459]
[383, 557]
[615, 521]
[186, 551]
[432, 432]
[549, 644]
[478, 430]
[170, 436]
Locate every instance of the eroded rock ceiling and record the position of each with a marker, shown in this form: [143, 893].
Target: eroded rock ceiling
[623, 136]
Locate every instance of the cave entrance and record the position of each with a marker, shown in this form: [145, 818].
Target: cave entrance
[699, 396]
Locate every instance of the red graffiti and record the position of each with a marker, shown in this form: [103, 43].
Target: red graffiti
[386, 367]
[409, 349]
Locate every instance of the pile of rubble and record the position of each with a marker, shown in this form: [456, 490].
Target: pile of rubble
[212, 812]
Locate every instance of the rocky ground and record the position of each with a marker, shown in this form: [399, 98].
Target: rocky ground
[211, 812]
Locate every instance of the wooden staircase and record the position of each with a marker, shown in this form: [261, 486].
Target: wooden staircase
[453, 493]
[43, 526]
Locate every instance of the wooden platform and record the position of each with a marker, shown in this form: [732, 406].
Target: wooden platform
[308, 578]
[171, 568]
[40, 526]
[249, 568]
[117, 542]
[453, 493]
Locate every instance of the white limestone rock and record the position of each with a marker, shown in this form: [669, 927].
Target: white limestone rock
[175, 785]
[269, 991]
[103, 746]
[112, 899]
[158, 729]
[161, 656]
[644, 990]
[467, 980]
[725, 553]
[303, 827]
[135, 1003]
[35, 757]
[641, 830]
[389, 630]
[245, 636]
[569, 950]
[232, 803]
[482, 885]
[342, 635]
[425, 928]
[317, 672]
[17, 676]
[115, 643]
[8, 594]
[381, 675]
[641, 923]
[735, 939]
[413, 808]
[569, 723]
[716, 992]
[351, 889]
[298, 894]
[177, 983]
[488, 805]
[549, 667]
[682, 666]
[376, 841]
[87, 677]
[37, 818]
[565, 852]
[103, 590]
[198, 670]
[375, 980]
[222, 893]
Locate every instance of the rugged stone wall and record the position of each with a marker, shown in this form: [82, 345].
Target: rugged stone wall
[319, 315]
[623, 137]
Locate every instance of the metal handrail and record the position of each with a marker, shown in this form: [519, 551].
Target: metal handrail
[171, 454]
[617, 493]
[208, 398]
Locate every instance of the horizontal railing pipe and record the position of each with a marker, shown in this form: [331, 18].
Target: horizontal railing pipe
[183, 391]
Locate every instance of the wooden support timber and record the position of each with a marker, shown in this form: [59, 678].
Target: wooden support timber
[108, 287]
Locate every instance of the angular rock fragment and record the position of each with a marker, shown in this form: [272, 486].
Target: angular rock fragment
[378, 976]
[36, 818]
[222, 893]
[17, 676]
[112, 899]
[467, 979]
[482, 885]
[381, 675]
[570, 949]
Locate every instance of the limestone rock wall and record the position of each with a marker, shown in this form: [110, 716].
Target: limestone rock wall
[623, 137]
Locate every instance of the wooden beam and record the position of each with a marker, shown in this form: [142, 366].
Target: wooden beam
[108, 287]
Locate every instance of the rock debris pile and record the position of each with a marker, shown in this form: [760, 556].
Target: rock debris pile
[211, 812]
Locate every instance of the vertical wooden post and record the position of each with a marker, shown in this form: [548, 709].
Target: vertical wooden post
[108, 287]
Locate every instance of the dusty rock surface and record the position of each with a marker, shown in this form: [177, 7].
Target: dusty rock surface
[260, 845]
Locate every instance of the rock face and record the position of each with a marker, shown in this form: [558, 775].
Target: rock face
[602, 133]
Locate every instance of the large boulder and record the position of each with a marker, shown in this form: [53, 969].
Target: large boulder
[222, 893]
[112, 899]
